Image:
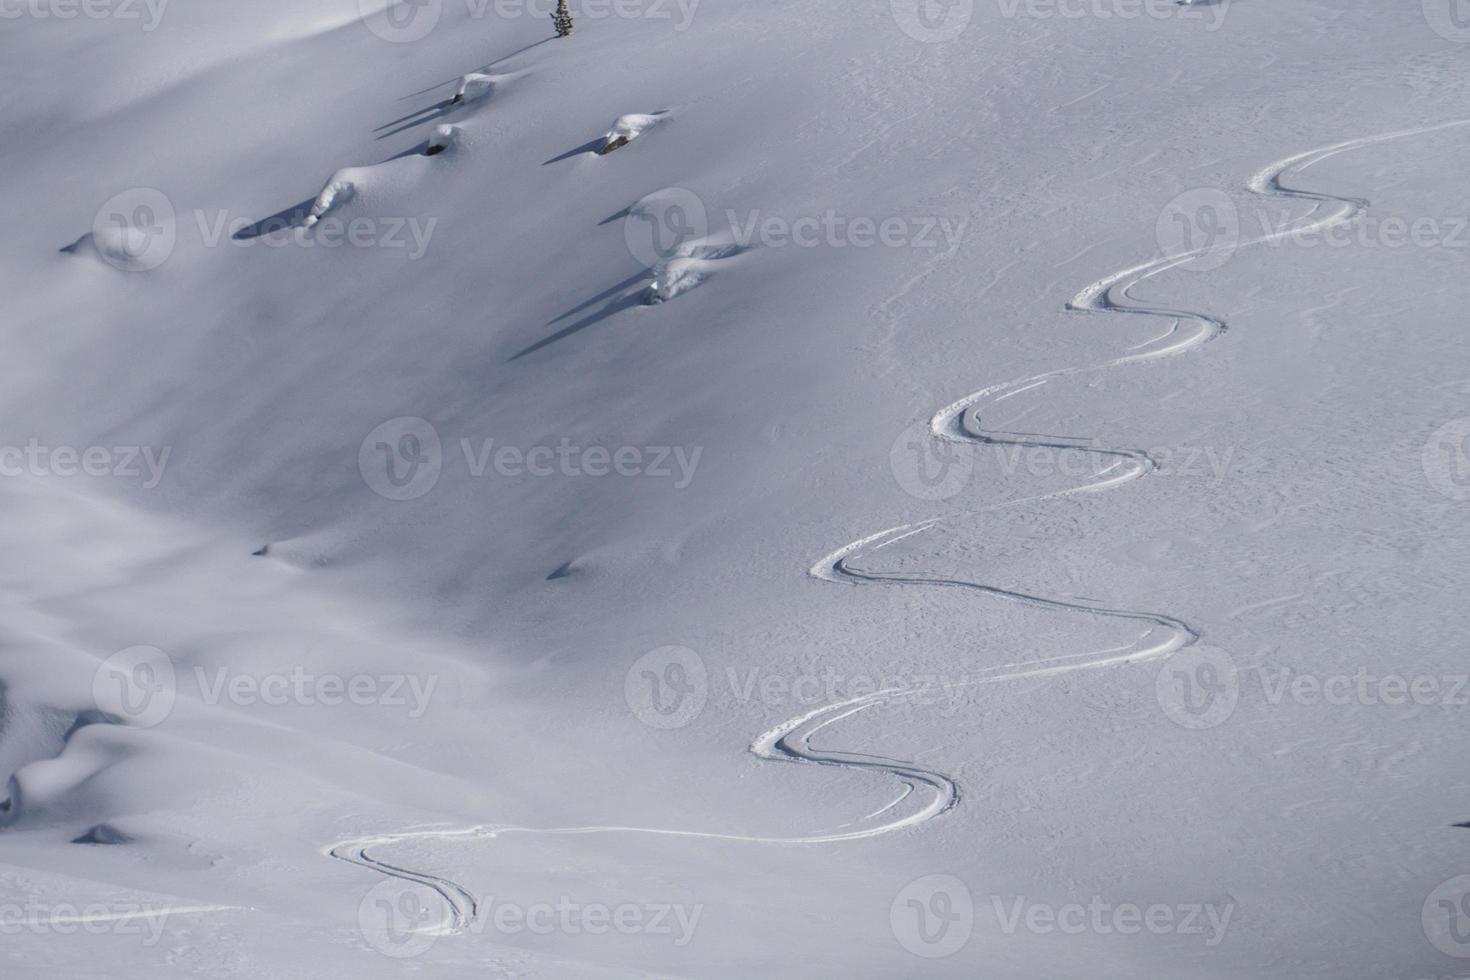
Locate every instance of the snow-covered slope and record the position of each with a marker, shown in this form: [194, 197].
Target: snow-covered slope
[748, 489]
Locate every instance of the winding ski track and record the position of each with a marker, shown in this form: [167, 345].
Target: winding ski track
[928, 793]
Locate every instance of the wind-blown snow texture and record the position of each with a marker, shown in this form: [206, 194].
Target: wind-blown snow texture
[749, 489]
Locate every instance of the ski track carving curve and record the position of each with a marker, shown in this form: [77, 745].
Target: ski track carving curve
[928, 793]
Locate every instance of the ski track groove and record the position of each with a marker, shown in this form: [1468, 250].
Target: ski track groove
[959, 422]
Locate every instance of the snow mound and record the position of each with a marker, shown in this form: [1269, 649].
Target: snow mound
[338, 192]
[103, 834]
[52, 786]
[626, 129]
[443, 138]
[694, 263]
[478, 85]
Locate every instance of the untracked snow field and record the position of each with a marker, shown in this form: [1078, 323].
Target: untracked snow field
[895, 488]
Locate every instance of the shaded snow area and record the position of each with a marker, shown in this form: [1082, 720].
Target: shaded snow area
[880, 489]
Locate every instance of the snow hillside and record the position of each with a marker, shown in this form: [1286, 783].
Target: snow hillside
[748, 489]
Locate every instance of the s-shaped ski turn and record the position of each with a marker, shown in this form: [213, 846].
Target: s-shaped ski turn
[927, 793]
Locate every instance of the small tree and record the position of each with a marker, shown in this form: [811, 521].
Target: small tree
[562, 19]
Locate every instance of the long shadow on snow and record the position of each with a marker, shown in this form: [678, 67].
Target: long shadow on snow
[616, 305]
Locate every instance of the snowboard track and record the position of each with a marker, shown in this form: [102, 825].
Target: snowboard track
[960, 423]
